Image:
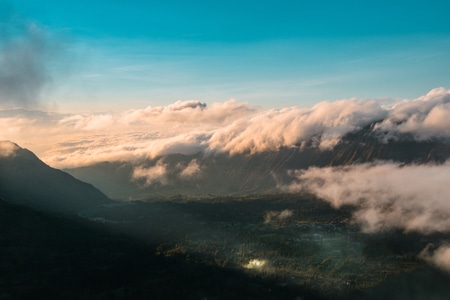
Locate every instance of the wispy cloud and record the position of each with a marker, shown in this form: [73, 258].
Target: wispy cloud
[277, 216]
[439, 257]
[191, 170]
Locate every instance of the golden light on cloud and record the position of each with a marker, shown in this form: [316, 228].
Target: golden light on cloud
[189, 127]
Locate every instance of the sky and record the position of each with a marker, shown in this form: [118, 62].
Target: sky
[83, 82]
[115, 55]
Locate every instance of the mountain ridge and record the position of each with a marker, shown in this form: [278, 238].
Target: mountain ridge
[240, 174]
[26, 180]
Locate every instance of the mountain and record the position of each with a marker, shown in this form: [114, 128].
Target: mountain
[240, 174]
[26, 180]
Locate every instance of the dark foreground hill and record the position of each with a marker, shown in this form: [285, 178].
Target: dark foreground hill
[48, 256]
[25, 179]
[259, 173]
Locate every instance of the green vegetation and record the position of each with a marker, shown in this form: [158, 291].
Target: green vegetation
[311, 245]
[256, 247]
[48, 256]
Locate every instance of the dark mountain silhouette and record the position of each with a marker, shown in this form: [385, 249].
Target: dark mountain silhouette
[240, 174]
[26, 180]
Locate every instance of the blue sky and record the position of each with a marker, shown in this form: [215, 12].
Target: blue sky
[123, 54]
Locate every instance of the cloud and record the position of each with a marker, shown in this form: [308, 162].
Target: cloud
[191, 111]
[439, 257]
[273, 129]
[163, 173]
[8, 148]
[189, 127]
[426, 117]
[117, 137]
[191, 170]
[14, 126]
[155, 174]
[89, 123]
[385, 195]
[26, 49]
[277, 216]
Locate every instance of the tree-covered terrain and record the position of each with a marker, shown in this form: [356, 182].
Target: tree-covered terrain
[48, 256]
[260, 247]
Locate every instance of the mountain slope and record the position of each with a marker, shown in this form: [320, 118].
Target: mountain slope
[220, 173]
[26, 180]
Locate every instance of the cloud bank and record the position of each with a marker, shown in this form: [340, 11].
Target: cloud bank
[273, 129]
[385, 195]
[189, 127]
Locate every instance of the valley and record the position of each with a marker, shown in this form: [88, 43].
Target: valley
[297, 223]
[294, 241]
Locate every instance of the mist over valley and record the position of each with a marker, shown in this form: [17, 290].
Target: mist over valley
[366, 217]
[232, 150]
